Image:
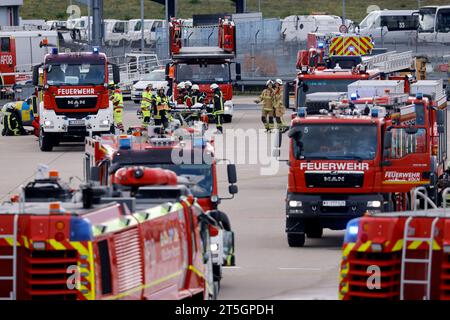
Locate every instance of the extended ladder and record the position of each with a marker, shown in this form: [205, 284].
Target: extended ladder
[390, 61]
[12, 258]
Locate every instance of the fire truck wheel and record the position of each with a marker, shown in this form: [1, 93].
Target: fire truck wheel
[45, 142]
[222, 219]
[296, 239]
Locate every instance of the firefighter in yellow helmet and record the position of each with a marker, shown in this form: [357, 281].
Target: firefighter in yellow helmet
[146, 104]
[278, 105]
[266, 98]
[161, 110]
[117, 100]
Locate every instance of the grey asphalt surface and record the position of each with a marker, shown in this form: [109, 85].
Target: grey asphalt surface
[266, 267]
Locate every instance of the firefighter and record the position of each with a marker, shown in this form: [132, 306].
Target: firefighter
[146, 104]
[267, 105]
[181, 88]
[278, 106]
[196, 95]
[12, 123]
[218, 107]
[161, 110]
[117, 100]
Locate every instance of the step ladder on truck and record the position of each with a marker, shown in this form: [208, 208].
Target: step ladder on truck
[9, 254]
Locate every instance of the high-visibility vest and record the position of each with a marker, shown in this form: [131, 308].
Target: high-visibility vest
[147, 98]
[117, 100]
[161, 103]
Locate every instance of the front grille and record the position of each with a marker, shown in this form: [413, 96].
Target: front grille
[46, 274]
[76, 102]
[334, 180]
[359, 273]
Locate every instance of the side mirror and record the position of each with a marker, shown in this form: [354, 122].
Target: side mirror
[440, 118]
[231, 172]
[116, 74]
[387, 143]
[36, 75]
[167, 71]
[238, 72]
[94, 174]
[233, 189]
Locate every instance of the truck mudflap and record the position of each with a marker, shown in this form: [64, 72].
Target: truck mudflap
[332, 210]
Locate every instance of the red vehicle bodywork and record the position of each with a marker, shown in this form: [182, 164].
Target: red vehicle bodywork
[8, 63]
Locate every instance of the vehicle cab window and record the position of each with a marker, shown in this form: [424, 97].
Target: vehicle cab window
[404, 143]
[5, 45]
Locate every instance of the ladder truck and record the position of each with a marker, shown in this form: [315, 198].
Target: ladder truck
[204, 65]
[145, 239]
[362, 154]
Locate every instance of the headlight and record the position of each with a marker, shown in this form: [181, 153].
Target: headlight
[293, 203]
[214, 198]
[227, 108]
[214, 247]
[105, 123]
[374, 204]
[351, 233]
[48, 123]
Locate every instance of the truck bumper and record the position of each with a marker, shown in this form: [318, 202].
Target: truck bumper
[101, 122]
[228, 107]
[333, 211]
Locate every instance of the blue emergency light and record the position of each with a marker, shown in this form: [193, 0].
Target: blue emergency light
[124, 143]
[351, 233]
[320, 45]
[354, 96]
[351, 48]
[374, 112]
[419, 95]
[54, 50]
[301, 112]
[95, 50]
[80, 229]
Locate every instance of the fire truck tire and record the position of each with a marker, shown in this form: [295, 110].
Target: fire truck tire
[296, 240]
[222, 219]
[45, 142]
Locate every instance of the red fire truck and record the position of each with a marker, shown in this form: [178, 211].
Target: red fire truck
[204, 65]
[338, 61]
[396, 255]
[7, 60]
[146, 239]
[343, 163]
[190, 156]
[73, 97]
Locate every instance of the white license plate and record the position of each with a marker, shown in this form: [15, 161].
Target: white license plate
[76, 122]
[333, 203]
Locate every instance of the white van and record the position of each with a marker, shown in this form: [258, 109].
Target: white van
[116, 32]
[135, 31]
[155, 26]
[296, 28]
[389, 26]
[434, 24]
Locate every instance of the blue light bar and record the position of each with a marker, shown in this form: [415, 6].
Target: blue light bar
[354, 96]
[374, 113]
[54, 50]
[320, 45]
[80, 230]
[301, 112]
[124, 143]
[351, 233]
[95, 50]
[419, 95]
[351, 48]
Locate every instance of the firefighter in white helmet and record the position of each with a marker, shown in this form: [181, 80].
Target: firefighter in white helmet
[266, 98]
[196, 95]
[278, 106]
[218, 106]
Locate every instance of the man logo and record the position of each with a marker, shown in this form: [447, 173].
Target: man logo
[334, 179]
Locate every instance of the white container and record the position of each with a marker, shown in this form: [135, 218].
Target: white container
[375, 88]
[433, 88]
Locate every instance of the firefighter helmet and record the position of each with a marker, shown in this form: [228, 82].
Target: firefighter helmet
[269, 82]
[214, 86]
[188, 84]
[279, 81]
[195, 87]
[181, 85]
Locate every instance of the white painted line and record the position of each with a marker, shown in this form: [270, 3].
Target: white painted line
[299, 268]
[231, 267]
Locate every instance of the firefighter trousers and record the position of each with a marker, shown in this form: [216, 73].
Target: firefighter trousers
[219, 120]
[146, 114]
[118, 117]
[267, 119]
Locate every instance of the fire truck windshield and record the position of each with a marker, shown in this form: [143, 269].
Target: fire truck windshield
[209, 73]
[337, 142]
[321, 85]
[75, 74]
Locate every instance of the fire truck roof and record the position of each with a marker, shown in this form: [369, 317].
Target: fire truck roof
[339, 119]
[195, 53]
[76, 57]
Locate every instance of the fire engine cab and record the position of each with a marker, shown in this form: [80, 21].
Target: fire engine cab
[204, 65]
[147, 238]
[362, 154]
[73, 97]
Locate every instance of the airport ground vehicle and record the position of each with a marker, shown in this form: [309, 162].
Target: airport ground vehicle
[116, 32]
[363, 154]
[150, 27]
[197, 164]
[73, 97]
[338, 61]
[398, 255]
[156, 78]
[204, 65]
[146, 239]
[20, 50]
[398, 26]
[434, 24]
